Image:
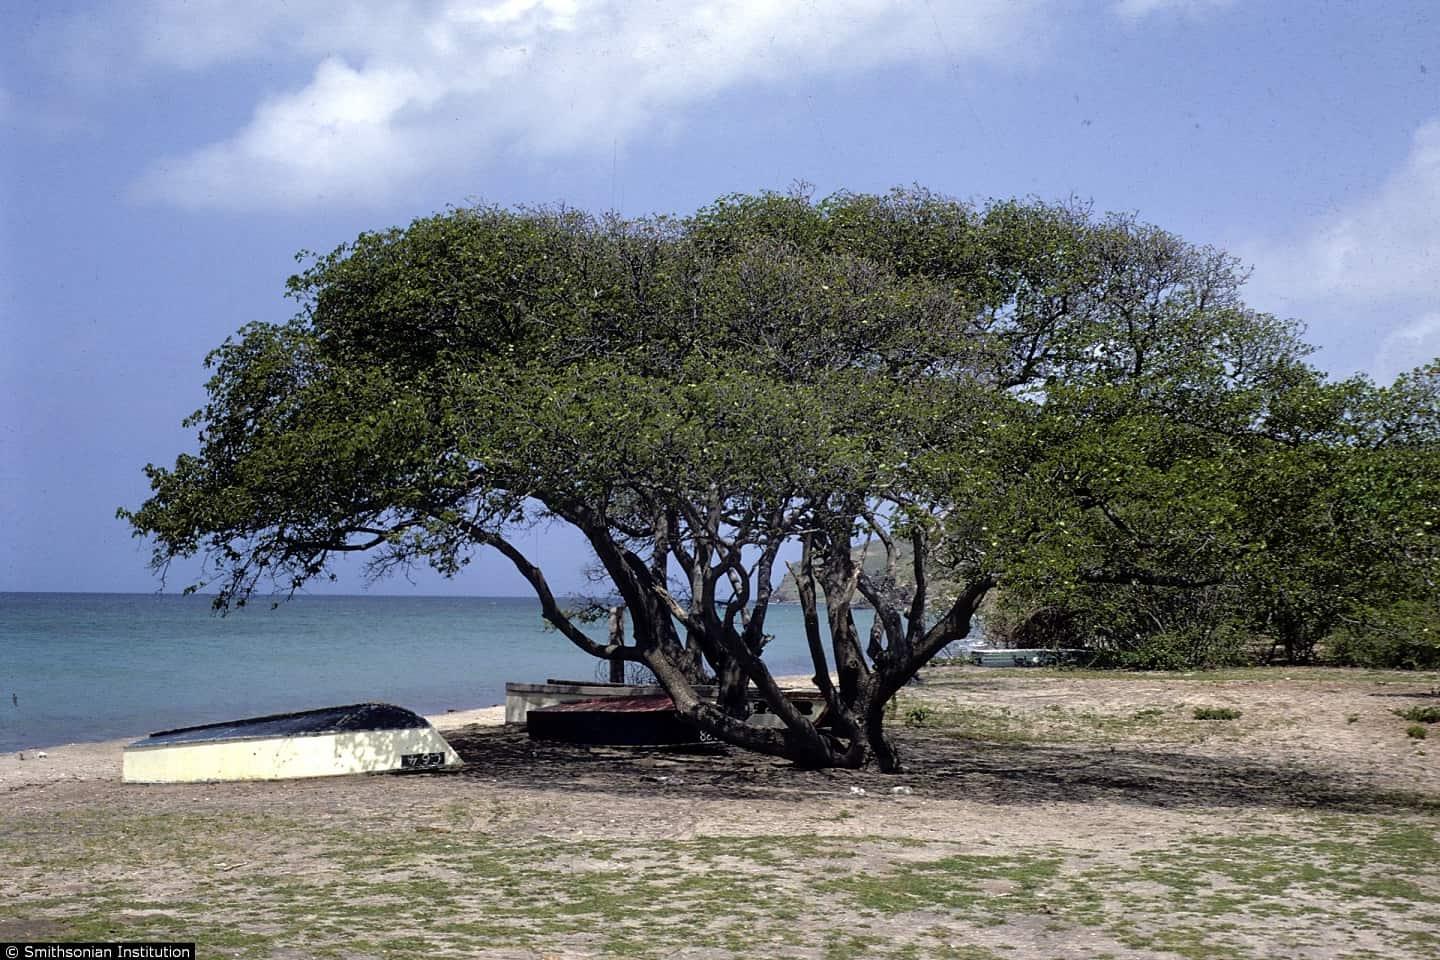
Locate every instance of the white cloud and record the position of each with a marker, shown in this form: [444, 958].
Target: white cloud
[1374, 258]
[196, 34]
[338, 137]
[1136, 10]
[1384, 246]
[1415, 343]
[401, 90]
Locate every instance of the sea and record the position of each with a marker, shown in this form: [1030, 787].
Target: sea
[88, 666]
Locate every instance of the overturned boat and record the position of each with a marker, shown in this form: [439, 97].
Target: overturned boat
[359, 738]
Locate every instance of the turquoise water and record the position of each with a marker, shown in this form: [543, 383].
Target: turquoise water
[97, 666]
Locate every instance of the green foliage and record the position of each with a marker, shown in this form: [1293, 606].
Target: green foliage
[1129, 627]
[1404, 634]
[1427, 714]
[1164, 522]
[481, 361]
[919, 716]
[1215, 713]
[1078, 409]
[1417, 731]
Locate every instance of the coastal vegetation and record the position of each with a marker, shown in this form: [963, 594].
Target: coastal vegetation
[913, 404]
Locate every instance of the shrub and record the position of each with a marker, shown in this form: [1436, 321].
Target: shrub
[1127, 627]
[1417, 731]
[1420, 714]
[918, 716]
[1405, 636]
[1216, 713]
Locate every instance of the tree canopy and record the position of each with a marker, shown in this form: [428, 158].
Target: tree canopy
[1078, 409]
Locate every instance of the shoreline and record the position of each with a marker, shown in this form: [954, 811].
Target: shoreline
[100, 759]
[93, 667]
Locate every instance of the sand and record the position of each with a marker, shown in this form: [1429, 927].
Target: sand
[100, 760]
[1111, 778]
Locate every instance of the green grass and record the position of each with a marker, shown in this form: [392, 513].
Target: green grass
[1056, 724]
[955, 883]
[919, 716]
[1202, 897]
[969, 676]
[390, 891]
[1426, 714]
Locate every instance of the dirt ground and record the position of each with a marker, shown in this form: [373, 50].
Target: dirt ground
[1042, 814]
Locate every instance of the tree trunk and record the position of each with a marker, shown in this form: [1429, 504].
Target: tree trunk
[886, 757]
[734, 688]
[617, 638]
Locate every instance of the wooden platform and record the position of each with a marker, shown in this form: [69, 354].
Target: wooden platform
[623, 721]
[523, 700]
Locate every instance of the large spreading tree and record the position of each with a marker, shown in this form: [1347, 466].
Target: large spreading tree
[1022, 394]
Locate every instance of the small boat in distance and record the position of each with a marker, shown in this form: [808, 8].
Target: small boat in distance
[359, 738]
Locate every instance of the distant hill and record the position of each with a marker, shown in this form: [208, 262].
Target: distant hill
[943, 589]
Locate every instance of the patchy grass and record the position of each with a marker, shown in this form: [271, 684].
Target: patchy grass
[1178, 838]
[1201, 896]
[394, 890]
[1426, 714]
[1058, 724]
[960, 675]
[1215, 713]
[919, 716]
[1417, 731]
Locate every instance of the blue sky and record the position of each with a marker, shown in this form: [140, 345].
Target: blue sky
[163, 161]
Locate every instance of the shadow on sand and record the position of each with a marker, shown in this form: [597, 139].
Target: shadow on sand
[936, 768]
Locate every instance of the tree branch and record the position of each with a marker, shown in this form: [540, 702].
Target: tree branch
[549, 608]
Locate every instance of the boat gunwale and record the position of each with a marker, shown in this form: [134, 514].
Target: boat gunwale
[152, 741]
[142, 745]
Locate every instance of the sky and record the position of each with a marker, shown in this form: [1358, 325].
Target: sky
[162, 162]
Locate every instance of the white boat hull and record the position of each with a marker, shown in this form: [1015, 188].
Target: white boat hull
[325, 753]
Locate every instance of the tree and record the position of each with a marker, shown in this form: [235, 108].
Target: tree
[697, 395]
[1280, 508]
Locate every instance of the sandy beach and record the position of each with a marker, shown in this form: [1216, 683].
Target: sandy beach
[1042, 815]
[100, 760]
